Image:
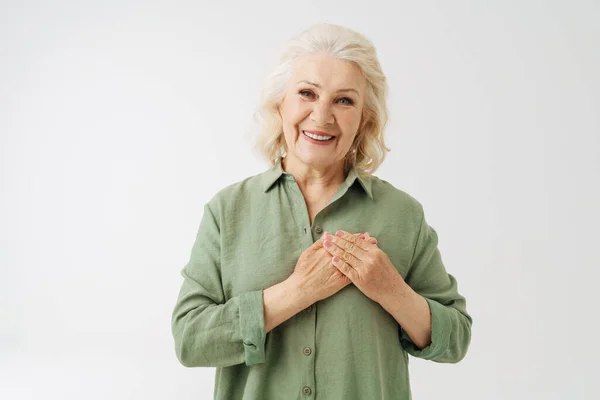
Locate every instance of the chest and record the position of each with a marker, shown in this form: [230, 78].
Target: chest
[261, 246]
[315, 202]
[314, 208]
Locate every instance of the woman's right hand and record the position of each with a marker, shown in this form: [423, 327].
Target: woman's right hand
[316, 276]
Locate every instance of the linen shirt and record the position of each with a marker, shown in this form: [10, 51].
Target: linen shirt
[346, 346]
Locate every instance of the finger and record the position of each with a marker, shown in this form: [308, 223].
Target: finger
[344, 255]
[358, 235]
[318, 243]
[326, 235]
[370, 238]
[344, 268]
[366, 236]
[355, 245]
[347, 248]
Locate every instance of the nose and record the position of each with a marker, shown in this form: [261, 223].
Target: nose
[321, 114]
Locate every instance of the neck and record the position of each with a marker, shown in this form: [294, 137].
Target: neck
[308, 176]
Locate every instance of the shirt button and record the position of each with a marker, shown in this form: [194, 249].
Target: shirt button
[318, 229]
[306, 390]
[307, 350]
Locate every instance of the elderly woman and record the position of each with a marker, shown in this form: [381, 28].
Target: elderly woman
[316, 278]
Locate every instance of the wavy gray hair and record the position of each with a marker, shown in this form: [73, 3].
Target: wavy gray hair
[368, 149]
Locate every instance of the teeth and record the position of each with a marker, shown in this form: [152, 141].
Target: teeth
[317, 137]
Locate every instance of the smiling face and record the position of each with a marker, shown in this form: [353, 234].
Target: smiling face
[324, 95]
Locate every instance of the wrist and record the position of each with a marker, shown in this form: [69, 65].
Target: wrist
[398, 293]
[298, 292]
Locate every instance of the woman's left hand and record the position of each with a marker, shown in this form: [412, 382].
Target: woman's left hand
[367, 266]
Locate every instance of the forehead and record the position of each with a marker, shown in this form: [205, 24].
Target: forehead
[329, 72]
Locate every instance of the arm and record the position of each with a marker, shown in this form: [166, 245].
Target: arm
[411, 310]
[207, 330]
[210, 332]
[431, 284]
[282, 301]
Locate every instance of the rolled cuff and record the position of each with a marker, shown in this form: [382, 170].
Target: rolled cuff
[252, 326]
[441, 326]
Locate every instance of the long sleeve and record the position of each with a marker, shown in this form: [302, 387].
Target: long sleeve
[450, 322]
[209, 331]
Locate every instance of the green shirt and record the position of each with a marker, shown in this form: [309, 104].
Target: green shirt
[343, 347]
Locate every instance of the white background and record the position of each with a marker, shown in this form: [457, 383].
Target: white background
[120, 119]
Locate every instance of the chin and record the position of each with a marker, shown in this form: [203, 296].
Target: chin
[319, 161]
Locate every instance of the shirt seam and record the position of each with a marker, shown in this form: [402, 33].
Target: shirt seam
[412, 258]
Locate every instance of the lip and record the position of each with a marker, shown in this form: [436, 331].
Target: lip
[318, 142]
[320, 133]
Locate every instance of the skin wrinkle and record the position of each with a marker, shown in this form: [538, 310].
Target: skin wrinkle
[239, 308]
[318, 169]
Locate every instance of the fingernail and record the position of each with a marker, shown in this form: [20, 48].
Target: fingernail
[339, 233]
[327, 243]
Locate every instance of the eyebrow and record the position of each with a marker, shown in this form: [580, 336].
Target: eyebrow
[340, 90]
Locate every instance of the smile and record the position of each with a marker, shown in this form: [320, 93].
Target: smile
[316, 139]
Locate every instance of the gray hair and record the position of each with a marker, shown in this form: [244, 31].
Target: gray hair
[368, 149]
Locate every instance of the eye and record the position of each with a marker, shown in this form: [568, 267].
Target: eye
[305, 93]
[349, 103]
[302, 92]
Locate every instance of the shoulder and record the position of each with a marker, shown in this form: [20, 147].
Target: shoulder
[396, 201]
[387, 192]
[237, 195]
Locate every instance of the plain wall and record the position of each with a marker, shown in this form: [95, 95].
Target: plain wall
[120, 119]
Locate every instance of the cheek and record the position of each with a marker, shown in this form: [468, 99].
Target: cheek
[292, 115]
[297, 111]
[348, 140]
[349, 123]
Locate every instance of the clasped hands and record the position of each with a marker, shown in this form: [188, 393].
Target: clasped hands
[360, 259]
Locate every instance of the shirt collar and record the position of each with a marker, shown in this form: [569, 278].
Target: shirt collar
[274, 173]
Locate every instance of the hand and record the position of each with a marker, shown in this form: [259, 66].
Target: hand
[366, 236]
[364, 263]
[315, 274]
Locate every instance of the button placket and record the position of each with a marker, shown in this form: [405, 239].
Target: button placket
[310, 232]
